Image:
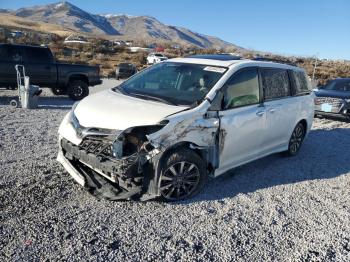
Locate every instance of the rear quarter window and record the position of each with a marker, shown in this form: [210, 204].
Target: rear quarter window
[10, 54]
[275, 83]
[38, 55]
[301, 83]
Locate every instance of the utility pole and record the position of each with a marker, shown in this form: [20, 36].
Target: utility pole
[313, 73]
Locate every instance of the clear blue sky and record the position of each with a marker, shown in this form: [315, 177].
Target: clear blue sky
[295, 27]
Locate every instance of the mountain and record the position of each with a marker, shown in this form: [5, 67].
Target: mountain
[144, 28]
[15, 22]
[68, 15]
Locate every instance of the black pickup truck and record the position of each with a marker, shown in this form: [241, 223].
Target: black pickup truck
[71, 79]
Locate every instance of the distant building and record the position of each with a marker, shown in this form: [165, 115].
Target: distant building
[17, 33]
[123, 43]
[76, 39]
[176, 46]
[136, 49]
[159, 49]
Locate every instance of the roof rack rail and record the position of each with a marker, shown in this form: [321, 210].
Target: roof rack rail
[221, 57]
[273, 60]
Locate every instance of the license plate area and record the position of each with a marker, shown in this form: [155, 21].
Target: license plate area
[325, 107]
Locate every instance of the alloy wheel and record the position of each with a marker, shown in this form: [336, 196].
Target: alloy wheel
[78, 91]
[179, 180]
[296, 139]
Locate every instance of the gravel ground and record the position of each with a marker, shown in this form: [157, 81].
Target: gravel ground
[281, 209]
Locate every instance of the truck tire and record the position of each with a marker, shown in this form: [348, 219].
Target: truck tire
[78, 89]
[58, 91]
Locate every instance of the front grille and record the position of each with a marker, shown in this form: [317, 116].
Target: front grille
[97, 147]
[109, 166]
[336, 102]
[328, 104]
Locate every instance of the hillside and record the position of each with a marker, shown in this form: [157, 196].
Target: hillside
[15, 22]
[142, 28]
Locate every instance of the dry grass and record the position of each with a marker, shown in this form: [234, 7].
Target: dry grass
[18, 22]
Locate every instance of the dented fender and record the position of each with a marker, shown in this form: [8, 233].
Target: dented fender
[199, 129]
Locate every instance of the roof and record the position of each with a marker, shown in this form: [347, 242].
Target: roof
[342, 79]
[220, 57]
[213, 61]
[204, 61]
[23, 45]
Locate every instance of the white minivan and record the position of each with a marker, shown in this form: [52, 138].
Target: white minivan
[162, 132]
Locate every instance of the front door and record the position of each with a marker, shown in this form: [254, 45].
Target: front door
[242, 120]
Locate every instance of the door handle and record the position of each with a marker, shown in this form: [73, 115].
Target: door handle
[260, 113]
[272, 110]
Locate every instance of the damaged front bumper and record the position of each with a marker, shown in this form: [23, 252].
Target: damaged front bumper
[110, 178]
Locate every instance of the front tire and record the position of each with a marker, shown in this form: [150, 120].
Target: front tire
[77, 90]
[296, 140]
[182, 176]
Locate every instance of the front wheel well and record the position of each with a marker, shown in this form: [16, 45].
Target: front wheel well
[186, 145]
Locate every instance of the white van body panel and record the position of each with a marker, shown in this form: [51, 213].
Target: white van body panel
[235, 136]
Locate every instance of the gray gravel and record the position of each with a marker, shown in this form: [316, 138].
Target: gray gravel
[282, 209]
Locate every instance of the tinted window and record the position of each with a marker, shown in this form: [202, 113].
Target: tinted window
[343, 85]
[339, 85]
[242, 89]
[275, 83]
[10, 54]
[301, 83]
[38, 55]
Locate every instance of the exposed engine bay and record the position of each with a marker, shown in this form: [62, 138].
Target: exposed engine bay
[124, 165]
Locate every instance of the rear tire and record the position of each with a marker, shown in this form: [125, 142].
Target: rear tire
[182, 176]
[296, 140]
[78, 89]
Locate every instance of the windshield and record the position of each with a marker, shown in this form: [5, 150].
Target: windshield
[339, 85]
[174, 83]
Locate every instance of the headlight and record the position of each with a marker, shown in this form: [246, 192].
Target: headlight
[72, 118]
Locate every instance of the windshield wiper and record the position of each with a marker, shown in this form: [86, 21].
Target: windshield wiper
[156, 98]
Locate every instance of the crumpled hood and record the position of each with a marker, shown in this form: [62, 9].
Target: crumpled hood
[112, 110]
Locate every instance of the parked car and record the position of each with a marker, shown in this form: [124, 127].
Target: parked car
[154, 58]
[125, 70]
[163, 131]
[333, 99]
[40, 66]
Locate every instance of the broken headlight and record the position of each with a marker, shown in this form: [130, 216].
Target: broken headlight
[72, 118]
[135, 140]
[117, 147]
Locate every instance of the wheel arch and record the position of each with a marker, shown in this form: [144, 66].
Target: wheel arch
[200, 151]
[81, 77]
[304, 123]
[167, 152]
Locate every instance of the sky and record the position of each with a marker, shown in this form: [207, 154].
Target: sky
[296, 27]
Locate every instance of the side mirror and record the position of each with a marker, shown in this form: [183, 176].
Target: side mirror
[218, 102]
